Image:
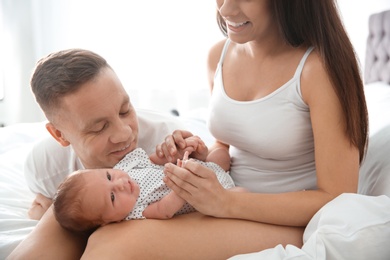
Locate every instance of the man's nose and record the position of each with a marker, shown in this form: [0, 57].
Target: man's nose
[121, 133]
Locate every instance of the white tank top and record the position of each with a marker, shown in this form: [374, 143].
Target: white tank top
[271, 138]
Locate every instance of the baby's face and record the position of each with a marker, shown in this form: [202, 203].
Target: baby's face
[110, 193]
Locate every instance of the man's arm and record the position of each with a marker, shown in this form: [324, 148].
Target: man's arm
[39, 207]
[164, 208]
[49, 240]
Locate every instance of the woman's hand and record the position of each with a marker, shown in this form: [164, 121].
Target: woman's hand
[199, 186]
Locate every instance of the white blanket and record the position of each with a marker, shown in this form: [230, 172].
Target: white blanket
[352, 226]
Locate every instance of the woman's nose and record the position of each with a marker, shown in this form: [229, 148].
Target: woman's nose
[227, 8]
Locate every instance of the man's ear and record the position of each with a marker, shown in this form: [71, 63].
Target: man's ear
[57, 134]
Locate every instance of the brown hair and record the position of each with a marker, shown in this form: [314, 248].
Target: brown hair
[317, 23]
[61, 73]
[68, 206]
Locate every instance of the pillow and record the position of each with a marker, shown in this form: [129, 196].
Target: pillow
[374, 176]
[351, 226]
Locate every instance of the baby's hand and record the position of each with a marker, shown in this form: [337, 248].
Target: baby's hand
[196, 148]
[182, 162]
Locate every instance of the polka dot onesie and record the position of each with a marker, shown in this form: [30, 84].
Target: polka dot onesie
[149, 177]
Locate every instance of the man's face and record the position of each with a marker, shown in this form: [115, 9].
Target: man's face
[99, 121]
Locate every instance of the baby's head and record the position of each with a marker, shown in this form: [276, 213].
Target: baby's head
[88, 199]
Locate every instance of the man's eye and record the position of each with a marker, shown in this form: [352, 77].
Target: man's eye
[112, 197]
[108, 176]
[124, 113]
[101, 129]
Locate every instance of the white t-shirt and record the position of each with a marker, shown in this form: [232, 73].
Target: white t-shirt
[49, 163]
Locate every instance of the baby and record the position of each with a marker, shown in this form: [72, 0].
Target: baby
[133, 189]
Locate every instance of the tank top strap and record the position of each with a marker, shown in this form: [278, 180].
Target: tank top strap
[302, 62]
[224, 50]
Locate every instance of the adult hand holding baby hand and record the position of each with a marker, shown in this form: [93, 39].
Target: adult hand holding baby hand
[199, 186]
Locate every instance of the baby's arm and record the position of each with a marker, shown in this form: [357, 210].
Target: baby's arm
[168, 205]
[164, 208]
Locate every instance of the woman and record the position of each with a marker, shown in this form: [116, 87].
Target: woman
[288, 102]
[293, 117]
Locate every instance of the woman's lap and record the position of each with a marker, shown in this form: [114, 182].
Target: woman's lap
[187, 236]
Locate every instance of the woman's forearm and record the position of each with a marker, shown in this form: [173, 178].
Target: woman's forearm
[49, 240]
[289, 209]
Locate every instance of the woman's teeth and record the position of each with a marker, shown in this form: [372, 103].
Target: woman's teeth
[236, 24]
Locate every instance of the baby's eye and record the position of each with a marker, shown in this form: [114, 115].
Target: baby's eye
[108, 176]
[112, 197]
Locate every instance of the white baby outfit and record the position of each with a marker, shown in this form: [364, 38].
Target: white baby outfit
[152, 188]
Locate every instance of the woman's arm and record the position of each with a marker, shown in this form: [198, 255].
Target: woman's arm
[49, 241]
[188, 236]
[219, 154]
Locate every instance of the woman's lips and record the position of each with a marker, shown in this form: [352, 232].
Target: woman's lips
[236, 27]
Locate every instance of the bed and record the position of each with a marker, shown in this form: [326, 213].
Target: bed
[353, 226]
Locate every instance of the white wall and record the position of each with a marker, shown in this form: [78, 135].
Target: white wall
[17, 59]
[158, 48]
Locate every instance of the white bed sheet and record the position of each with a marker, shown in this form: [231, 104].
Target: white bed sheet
[15, 197]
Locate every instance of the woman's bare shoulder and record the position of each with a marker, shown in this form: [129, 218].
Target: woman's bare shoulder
[213, 59]
[314, 78]
[215, 53]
